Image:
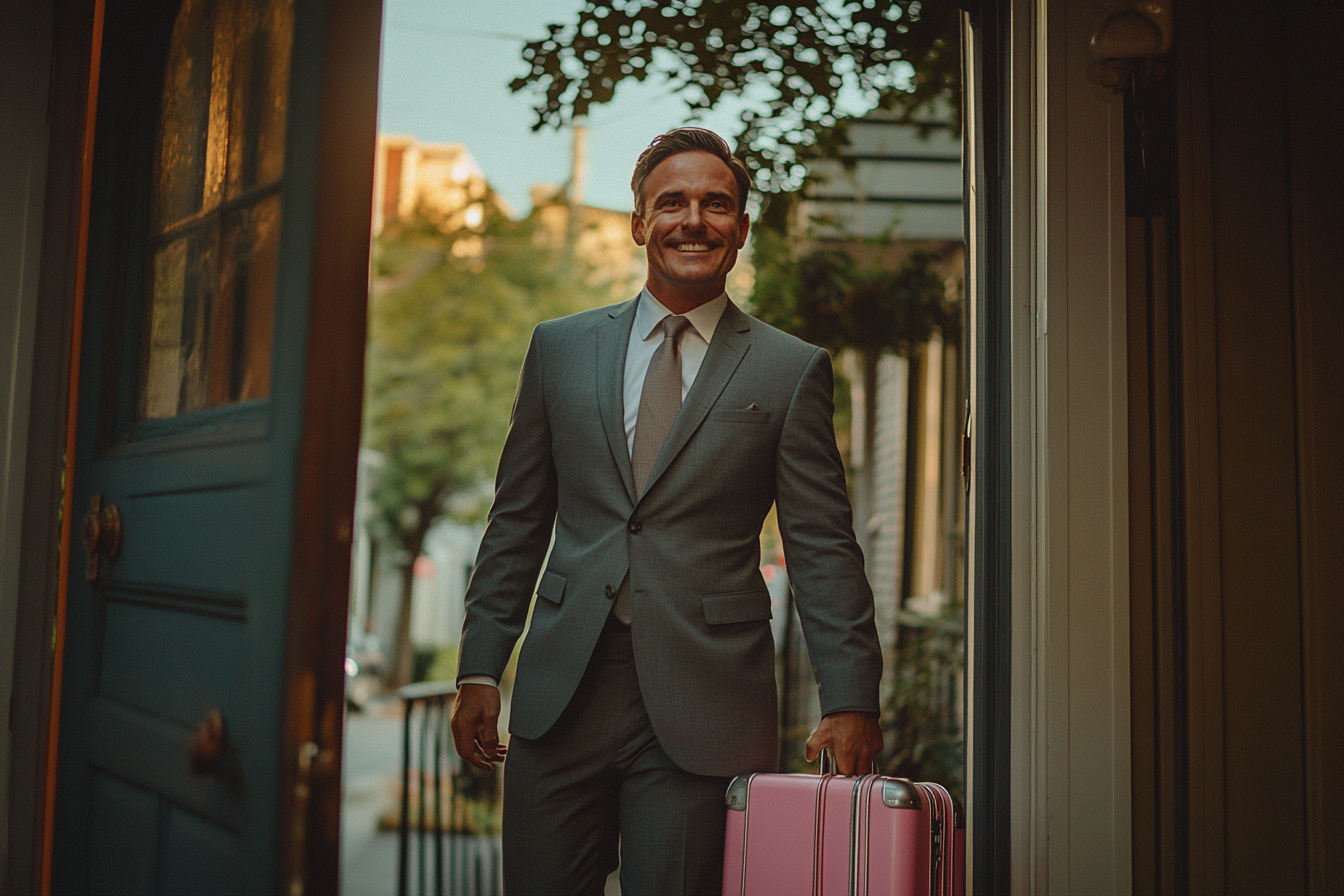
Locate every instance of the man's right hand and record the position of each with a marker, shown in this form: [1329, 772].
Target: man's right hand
[476, 725]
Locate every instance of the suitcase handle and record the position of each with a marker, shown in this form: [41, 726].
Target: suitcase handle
[827, 763]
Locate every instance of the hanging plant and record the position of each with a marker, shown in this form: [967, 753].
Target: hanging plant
[832, 298]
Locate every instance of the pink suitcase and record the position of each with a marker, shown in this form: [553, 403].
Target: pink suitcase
[826, 835]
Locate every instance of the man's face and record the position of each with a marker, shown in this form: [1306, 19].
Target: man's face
[691, 225]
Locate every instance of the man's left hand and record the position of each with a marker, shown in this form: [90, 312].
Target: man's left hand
[854, 739]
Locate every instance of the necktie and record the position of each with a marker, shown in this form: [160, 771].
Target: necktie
[659, 404]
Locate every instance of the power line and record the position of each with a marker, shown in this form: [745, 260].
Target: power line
[456, 32]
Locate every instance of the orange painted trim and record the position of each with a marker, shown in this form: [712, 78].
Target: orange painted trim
[71, 430]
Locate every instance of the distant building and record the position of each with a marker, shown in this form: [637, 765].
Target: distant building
[436, 182]
[902, 179]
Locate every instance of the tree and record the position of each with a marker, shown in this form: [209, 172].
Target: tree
[446, 339]
[802, 68]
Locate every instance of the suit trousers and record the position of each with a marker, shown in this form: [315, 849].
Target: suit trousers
[599, 778]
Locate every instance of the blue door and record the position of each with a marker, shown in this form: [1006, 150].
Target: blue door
[218, 416]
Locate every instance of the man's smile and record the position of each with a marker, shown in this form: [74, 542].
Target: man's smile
[692, 247]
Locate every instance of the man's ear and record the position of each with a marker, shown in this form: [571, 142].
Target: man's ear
[743, 226]
[637, 228]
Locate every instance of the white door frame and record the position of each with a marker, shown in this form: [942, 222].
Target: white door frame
[1064, 271]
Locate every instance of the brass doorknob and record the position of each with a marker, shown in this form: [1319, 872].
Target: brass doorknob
[101, 534]
[208, 744]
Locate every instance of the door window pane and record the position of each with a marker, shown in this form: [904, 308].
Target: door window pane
[259, 72]
[214, 243]
[249, 256]
[185, 117]
[179, 320]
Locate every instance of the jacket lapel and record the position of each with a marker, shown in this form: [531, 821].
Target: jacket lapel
[613, 340]
[730, 344]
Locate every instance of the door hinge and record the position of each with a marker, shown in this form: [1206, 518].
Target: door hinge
[966, 450]
[315, 764]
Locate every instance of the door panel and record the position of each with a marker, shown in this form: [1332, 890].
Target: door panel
[199, 854]
[147, 665]
[193, 391]
[153, 752]
[123, 859]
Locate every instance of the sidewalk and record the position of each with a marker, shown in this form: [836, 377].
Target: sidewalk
[369, 777]
[371, 770]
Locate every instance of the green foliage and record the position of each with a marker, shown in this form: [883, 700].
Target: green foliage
[446, 340]
[444, 667]
[830, 297]
[393, 258]
[919, 718]
[803, 68]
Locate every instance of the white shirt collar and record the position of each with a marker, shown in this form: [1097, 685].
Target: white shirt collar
[705, 319]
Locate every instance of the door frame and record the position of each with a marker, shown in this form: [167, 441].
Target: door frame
[988, 453]
[324, 498]
[1048, 737]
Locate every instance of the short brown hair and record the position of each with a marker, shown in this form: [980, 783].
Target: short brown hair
[680, 140]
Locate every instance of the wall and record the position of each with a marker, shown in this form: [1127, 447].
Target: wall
[58, 68]
[25, 64]
[1261, 292]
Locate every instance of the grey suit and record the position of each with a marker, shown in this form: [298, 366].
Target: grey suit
[754, 430]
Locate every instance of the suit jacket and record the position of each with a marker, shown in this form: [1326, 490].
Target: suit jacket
[754, 430]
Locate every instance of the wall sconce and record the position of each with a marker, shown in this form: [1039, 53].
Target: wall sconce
[1131, 39]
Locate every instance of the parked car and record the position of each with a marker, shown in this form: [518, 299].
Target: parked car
[364, 666]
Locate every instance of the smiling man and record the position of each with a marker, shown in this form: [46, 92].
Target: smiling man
[648, 442]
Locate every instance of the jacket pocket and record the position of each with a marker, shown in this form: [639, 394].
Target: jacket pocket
[738, 415]
[552, 587]
[738, 606]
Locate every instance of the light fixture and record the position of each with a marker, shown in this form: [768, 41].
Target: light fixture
[1130, 38]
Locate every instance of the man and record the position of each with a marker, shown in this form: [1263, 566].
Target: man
[652, 438]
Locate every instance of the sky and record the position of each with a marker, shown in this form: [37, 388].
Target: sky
[446, 69]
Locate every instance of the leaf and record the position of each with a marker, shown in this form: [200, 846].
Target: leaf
[803, 69]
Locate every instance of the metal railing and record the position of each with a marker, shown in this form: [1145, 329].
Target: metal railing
[466, 864]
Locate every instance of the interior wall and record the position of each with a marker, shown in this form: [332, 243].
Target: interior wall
[1156, 566]
[1262, 648]
[1315, 109]
[66, 77]
[25, 66]
[1262, 290]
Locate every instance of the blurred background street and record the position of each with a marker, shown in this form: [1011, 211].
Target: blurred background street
[369, 779]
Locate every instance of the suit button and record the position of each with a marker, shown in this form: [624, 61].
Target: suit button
[611, 592]
[635, 526]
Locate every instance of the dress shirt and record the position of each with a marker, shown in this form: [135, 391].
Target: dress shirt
[645, 337]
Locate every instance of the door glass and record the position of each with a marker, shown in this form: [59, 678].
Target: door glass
[216, 220]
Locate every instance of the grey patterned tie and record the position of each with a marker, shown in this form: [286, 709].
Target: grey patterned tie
[659, 404]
